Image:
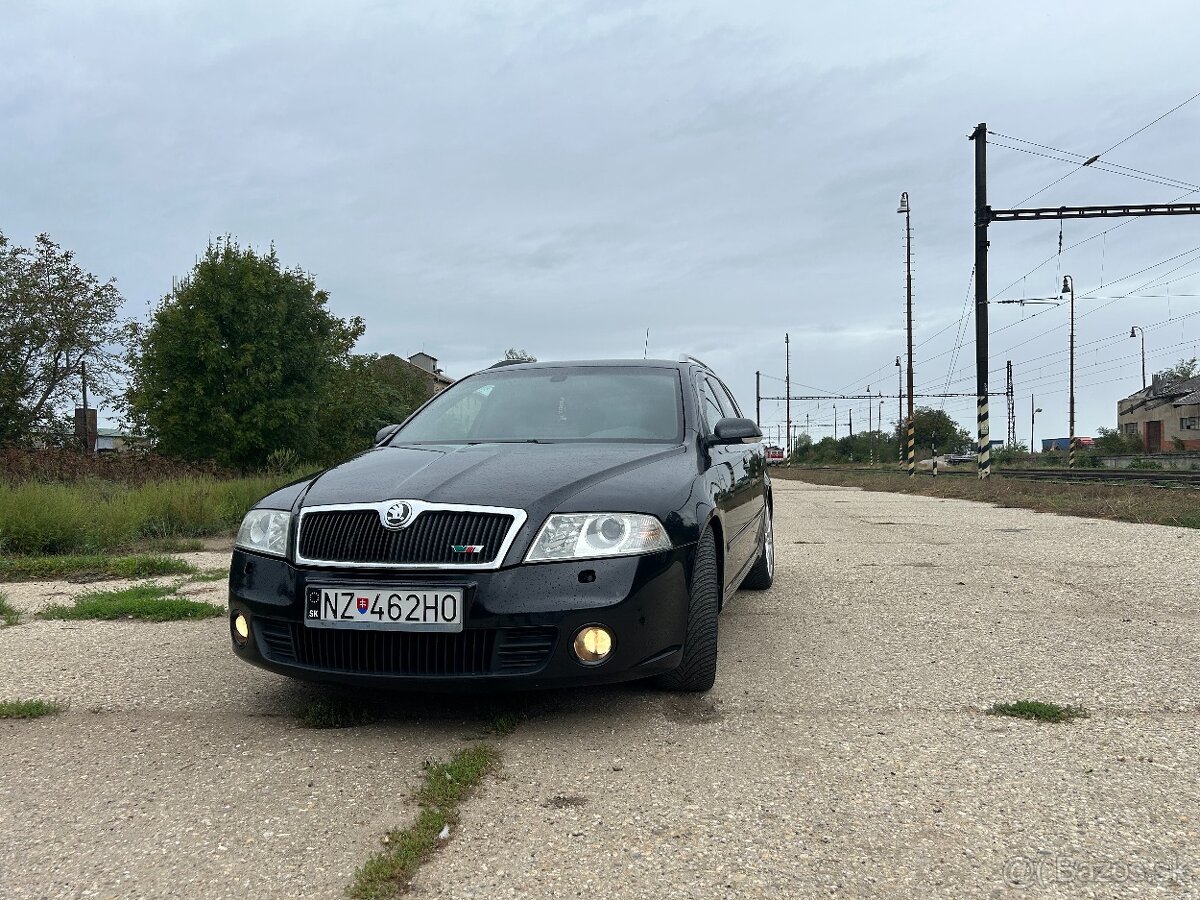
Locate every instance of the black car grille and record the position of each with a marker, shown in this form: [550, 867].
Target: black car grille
[475, 651]
[357, 536]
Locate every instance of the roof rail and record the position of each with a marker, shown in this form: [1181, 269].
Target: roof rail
[687, 357]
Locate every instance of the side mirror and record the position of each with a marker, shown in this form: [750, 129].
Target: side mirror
[385, 433]
[736, 431]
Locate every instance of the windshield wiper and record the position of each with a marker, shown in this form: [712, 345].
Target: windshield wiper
[510, 441]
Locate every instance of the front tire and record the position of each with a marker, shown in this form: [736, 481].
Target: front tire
[763, 574]
[698, 669]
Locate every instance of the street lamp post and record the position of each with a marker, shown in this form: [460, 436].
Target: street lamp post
[1069, 286]
[900, 407]
[1034, 409]
[1133, 332]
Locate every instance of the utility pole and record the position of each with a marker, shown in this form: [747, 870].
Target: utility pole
[1068, 281]
[758, 399]
[908, 295]
[982, 217]
[1012, 409]
[835, 421]
[787, 392]
[852, 421]
[869, 405]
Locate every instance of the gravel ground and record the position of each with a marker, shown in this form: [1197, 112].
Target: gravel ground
[843, 752]
[177, 771]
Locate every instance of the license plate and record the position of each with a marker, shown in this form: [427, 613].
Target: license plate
[388, 609]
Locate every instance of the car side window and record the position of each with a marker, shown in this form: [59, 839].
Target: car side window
[709, 404]
[721, 396]
[735, 410]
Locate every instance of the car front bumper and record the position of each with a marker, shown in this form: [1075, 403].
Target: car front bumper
[519, 623]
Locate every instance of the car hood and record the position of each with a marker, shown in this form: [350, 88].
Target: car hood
[533, 477]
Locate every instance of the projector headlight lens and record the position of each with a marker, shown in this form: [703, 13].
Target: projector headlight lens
[593, 535]
[265, 531]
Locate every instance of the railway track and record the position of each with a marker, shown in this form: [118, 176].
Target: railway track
[1165, 477]
[1152, 477]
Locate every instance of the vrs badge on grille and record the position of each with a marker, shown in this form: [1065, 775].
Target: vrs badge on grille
[397, 516]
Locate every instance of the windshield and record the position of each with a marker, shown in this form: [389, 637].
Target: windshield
[585, 403]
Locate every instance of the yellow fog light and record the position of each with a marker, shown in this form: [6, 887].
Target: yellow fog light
[593, 643]
[241, 629]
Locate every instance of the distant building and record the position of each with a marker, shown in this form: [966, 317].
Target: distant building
[435, 379]
[114, 439]
[1165, 415]
[1064, 443]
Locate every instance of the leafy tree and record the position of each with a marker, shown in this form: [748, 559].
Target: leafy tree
[405, 385]
[935, 428]
[512, 353]
[365, 394]
[1113, 441]
[55, 320]
[859, 447]
[1011, 453]
[240, 360]
[1181, 371]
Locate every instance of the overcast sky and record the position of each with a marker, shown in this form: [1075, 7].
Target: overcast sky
[562, 176]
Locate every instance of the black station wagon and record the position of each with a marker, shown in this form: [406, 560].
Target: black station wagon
[533, 525]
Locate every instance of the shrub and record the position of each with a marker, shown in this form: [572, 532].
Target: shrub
[1144, 464]
[95, 515]
[70, 465]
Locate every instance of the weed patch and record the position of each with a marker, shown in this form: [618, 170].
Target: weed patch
[388, 874]
[9, 614]
[90, 566]
[28, 709]
[504, 723]
[1038, 711]
[174, 545]
[209, 575]
[332, 714]
[148, 602]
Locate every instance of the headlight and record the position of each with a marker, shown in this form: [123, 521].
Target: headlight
[589, 535]
[265, 530]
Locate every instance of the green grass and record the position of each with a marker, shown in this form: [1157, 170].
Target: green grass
[1038, 711]
[28, 709]
[332, 714]
[504, 723]
[94, 565]
[210, 575]
[9, 614]
[174, 545]
[92, 516]
[389, 873]
[148, 602]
